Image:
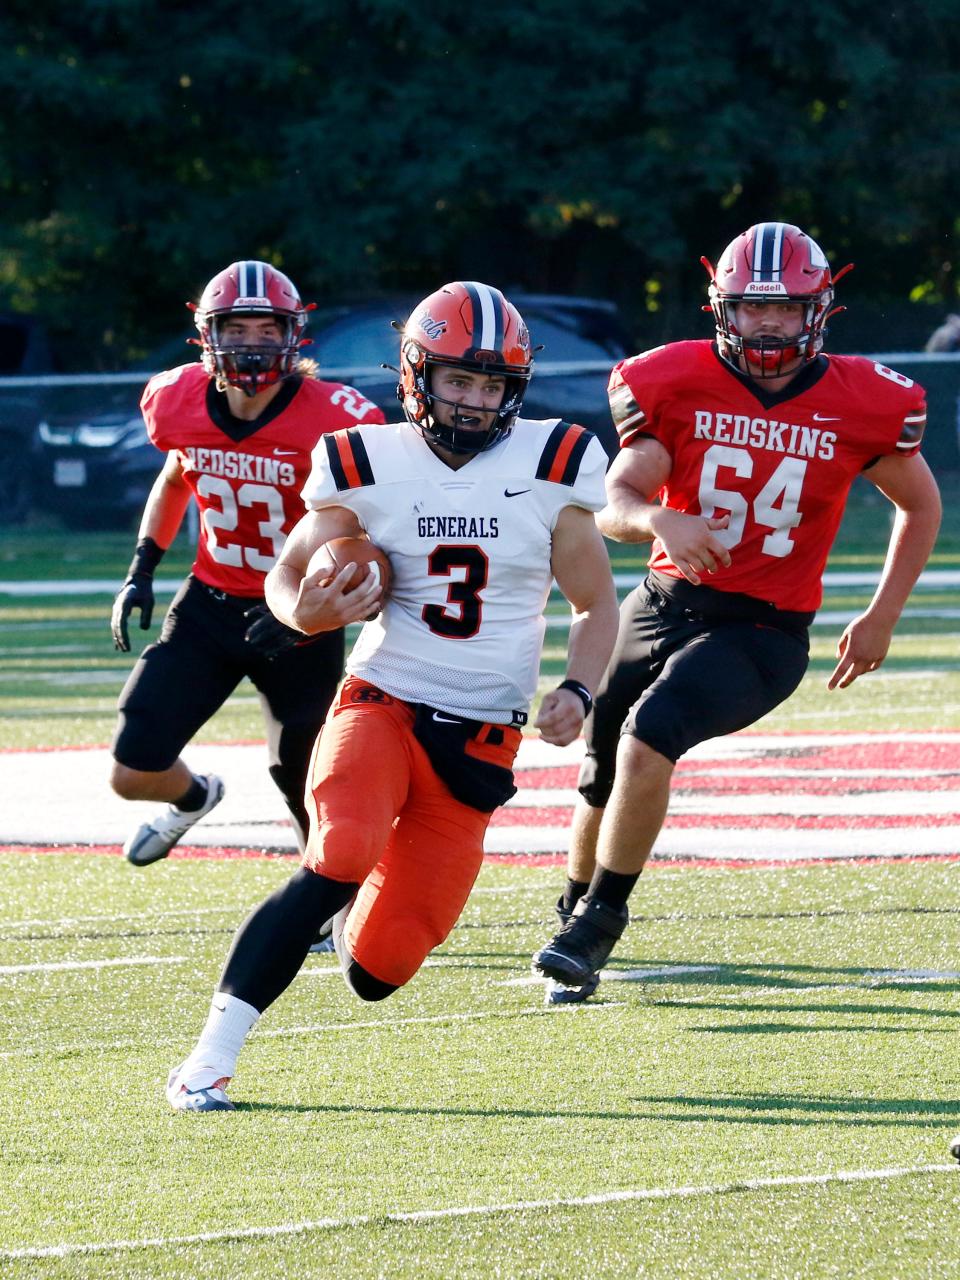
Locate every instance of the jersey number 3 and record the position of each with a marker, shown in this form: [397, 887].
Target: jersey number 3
[777, 505]
[463, 595]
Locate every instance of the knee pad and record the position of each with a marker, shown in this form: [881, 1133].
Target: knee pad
[595, 783]
[362, 983]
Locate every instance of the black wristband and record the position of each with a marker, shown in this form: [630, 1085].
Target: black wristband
[146, 557]
[582, 692]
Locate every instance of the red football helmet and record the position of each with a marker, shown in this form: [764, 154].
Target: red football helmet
[775, 262]
[250, 289]
[474, 327]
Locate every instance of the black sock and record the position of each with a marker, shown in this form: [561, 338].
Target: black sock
[194, 797]
[573, 892]
[273, 942]
[612, 888]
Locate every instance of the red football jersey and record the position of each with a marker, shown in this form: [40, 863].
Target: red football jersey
[781, 464]
[246, 477]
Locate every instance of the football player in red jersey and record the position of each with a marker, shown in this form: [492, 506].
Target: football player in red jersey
[736, 460]
[238, 429]
[478, 509]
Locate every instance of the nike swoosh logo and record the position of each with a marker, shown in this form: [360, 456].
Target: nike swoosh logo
[514, 493]
[284, 453]
[822, 417]
[445, 719]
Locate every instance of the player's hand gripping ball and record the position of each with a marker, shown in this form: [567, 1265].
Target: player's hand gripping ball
[333, 556]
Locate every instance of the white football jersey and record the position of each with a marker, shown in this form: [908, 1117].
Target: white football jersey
[463, 626]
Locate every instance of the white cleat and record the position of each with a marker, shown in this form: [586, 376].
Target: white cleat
[201, 1089]
[155, 839]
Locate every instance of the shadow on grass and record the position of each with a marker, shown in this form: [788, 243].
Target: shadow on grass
[747, 1108]
[766, 1108]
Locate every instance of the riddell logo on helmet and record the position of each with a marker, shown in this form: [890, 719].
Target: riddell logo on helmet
[253, 302]
[764, 286]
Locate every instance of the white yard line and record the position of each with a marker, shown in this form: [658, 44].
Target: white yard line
[625, 975]
[64, 966]
[319, 1028]
[417, 1217]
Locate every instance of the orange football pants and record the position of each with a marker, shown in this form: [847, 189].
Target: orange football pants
[381, 817]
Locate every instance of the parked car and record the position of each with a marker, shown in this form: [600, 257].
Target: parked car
[96, 465]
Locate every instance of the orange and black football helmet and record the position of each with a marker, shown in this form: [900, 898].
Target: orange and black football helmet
[250, 289]
[774, 262]
[472, 326]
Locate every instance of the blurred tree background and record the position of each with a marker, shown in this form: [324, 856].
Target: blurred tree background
[366, 146]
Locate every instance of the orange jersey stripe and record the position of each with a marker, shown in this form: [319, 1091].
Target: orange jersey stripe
[563, 454]
[348, 461]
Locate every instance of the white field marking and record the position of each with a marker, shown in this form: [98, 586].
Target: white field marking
[910, 975]
[418, 1216]
[67, 921]
[870, 982]
[320, 1028]
[385, 1025]
[734, 772]
[333, 971]
[933, 579]
[533, 887]
[624, 975]
[64, 966]
[871, 804]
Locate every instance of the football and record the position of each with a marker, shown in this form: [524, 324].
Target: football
[336, 554]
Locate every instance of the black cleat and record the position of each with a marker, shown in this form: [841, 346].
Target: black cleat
[582, 947]
[955, 1147]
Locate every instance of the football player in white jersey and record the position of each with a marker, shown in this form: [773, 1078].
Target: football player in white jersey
[478, 510]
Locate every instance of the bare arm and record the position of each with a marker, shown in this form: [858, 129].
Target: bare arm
[636, 476]
[582, 569]
[910, 486]
[303, 602]
[167, 501]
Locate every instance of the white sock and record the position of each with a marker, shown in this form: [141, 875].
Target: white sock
[229, 1022]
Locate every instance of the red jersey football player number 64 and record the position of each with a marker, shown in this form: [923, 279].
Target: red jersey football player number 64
[238, 429]
[751, 444]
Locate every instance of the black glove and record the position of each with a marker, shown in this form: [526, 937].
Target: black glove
[267, 634]
[136, 593]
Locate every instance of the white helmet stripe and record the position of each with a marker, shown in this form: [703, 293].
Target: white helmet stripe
[767, 251]
[486, 340]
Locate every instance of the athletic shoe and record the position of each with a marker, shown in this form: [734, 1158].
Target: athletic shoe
[955, 1147]
[560, 993]
[201, 1090]
[582, 947]
[155, 839]
[323, 942]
